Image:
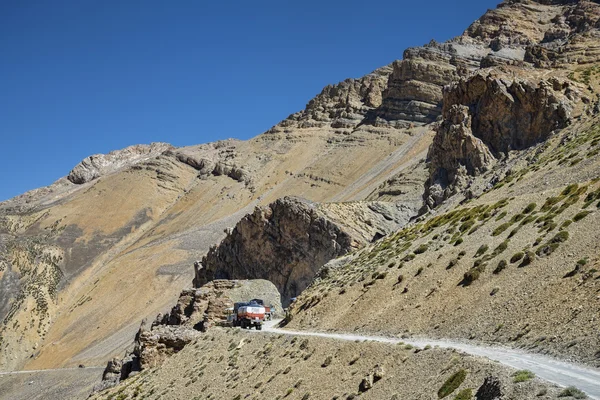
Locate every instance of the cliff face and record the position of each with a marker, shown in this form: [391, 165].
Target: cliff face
[485, 117]
[101, 164]
[289, 240]
[285, 243]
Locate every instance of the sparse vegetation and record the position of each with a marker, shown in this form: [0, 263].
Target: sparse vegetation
[581, 215]
[522, 376]
[421, 249]
[516, 257]
[501, 266]
[572, 391]
[501, 229]
[452, 383]
[481, 251]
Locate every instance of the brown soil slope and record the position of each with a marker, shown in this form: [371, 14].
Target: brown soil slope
[234, 365]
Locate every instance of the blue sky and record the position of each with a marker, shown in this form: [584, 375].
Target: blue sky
[87, 76]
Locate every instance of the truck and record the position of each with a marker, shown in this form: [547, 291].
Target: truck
[248, 315]
[269, 309]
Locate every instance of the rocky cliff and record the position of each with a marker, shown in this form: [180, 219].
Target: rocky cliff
[101, 164]
[486, 117]
[289, 240]
[196, 311]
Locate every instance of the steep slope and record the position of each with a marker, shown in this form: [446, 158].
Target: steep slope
[151, 219]
[516, 264]
[234, 365]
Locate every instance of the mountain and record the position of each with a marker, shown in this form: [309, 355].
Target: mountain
[451, 194]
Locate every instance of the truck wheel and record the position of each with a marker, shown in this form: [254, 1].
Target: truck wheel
[259, 327]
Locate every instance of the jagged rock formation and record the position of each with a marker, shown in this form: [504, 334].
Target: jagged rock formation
[216, 159]
[284, 243]
[485, 117]
[289, 240]
[343, 105]
[202, 307]
[101, 164]
[195, 311]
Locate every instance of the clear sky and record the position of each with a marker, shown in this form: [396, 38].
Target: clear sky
[82, 77]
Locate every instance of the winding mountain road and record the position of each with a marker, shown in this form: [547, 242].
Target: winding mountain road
[552, 370]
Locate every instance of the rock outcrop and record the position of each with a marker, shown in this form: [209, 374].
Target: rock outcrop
[289, 240]
[202, 307]
[285, 243]
[101, 164]
[485, 117]
[215, 159]
[195, 312]
[343, 105]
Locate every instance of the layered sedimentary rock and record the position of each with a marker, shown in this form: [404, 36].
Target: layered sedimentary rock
[289, 240]
[342, 105]
[284, 243]
[101, 164]
[572, 39]
[485, 117]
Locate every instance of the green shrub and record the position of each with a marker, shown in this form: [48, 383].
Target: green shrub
[566, 224]
[501, 229]
[458, 241]
[501, 265]
[452, 383]
[551, 201]
[465, 394]
[452, 263]
[527, 259]
[530, 207]
[516, 218]
[528, 219]
[581, 215]
[409, 257]
[474, 273]
[522, 376]
[560, 237]
[501, 215]
[421, 249]
[461, 254]
[569, 189]
[501, 247]
[516, 257]
[552, 245]
[513, 233]
[572, 391]
[481, 251]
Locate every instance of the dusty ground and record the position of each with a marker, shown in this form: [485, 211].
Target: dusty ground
[233, 364]
[56, 384]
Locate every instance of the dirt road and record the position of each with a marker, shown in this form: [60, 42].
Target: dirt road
[552, 370]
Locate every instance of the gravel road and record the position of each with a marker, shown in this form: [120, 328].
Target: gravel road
[552, 370]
